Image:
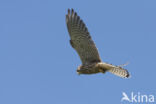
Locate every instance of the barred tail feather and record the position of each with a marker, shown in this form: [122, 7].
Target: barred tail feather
[120, 72]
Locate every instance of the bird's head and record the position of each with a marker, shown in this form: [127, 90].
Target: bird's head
[79, 70]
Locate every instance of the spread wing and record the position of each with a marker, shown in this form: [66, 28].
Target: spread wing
[80, 39]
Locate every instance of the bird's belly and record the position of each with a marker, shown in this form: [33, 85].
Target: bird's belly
[89, 70]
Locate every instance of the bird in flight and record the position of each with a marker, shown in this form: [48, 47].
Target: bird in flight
[82, 42]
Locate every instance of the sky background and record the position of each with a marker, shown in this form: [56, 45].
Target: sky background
[38, 65]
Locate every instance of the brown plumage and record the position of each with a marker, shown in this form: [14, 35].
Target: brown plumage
[82, 42]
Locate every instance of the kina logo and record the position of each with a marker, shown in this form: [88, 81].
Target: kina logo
[137, 98]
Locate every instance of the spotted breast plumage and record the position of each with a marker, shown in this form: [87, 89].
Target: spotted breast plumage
[82, 42]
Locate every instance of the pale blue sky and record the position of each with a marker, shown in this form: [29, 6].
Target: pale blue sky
[38, 65]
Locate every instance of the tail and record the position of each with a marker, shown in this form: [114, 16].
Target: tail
[116, 70]
[119, 71]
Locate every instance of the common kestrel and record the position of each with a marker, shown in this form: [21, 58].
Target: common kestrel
[82, 42]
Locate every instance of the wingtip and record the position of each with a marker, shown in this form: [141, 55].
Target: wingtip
[68, 11]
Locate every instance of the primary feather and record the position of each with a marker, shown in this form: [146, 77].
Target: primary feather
[81, 40]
